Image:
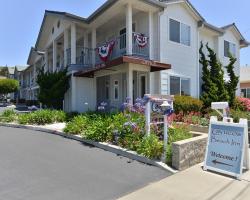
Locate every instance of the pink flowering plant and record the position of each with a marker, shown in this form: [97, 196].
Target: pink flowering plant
[245, 102]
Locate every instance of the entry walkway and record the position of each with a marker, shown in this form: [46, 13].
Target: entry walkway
[195, 184]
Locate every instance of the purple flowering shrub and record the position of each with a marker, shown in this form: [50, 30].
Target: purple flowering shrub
[126, 128]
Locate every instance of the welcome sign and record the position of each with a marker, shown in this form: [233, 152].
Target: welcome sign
[227, 149]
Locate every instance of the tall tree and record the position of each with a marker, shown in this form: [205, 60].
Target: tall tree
[232, 84]
[53, 86]
[4, 71]
[8, 86]
[217, 75]
[209, 89]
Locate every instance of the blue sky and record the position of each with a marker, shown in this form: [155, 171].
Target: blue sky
[20, 21]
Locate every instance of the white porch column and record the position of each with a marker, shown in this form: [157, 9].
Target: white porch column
[34, 74]
[46, 60]
[130, 83]
[73, 93]
[73, 44]
[129, 29]
[66, 46]
[151, 35]
[93, 39]
[54, 55]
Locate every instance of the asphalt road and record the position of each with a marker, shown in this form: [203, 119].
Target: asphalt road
[41, 166]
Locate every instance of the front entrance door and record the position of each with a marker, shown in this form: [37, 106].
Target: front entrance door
[142, 85]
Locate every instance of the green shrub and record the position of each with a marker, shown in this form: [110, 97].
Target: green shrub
[23, 119]
[42, 117]
[70, 116]
[151, 147]
[174, 135]
[99, 129]
[187, 104]
[130, 140]
[236, 115]
[58, 116]
[179, 133]
[8, 115]
[169, 154]
[77, 125]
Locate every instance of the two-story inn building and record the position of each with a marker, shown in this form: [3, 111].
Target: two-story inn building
[128, 48]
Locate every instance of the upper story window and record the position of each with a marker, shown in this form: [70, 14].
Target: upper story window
[179, 32]
[229, 48]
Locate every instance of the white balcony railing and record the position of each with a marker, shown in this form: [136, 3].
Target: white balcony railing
[84, 55]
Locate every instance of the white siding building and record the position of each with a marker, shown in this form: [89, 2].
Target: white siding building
[149, 46]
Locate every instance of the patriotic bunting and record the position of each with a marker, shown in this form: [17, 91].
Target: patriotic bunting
[141, 40]
[105, 51]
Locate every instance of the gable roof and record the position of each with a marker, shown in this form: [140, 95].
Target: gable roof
[212, 27]
[89, 19]
[188, 3]
[243, 41]
[11, 70]
[158, 3]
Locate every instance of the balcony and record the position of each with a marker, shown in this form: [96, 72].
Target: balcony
[87, 58]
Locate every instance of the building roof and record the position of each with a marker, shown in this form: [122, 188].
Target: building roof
[11, 70]
[245, 74]
[154, 66]
[158, 3]
[243, 41]
[92, 17]
[213, 28]
[20, 68]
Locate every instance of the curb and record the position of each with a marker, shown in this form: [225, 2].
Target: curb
[102, 145]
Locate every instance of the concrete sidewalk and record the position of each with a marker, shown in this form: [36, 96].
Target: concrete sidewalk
[195, 184]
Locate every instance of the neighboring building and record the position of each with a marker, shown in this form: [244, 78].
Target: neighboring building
[245, 81]
[151, 47]
[19, 75]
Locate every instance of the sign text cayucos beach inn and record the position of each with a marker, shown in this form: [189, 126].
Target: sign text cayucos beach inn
[227, 149]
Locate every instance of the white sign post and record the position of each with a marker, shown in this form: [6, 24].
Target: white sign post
[157, 104]
[227, 149]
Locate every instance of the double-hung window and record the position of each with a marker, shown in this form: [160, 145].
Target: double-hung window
[179, 86]
[179, 32]
[229, 48]
[245, 92]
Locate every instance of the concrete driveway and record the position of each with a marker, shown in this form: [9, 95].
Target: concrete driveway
[41, 166]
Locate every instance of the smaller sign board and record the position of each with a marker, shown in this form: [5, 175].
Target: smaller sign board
[154, 111]
[227, 147]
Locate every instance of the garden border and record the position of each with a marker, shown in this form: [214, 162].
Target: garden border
[102, 145]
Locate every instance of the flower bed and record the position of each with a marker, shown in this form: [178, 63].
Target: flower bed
[127, 131]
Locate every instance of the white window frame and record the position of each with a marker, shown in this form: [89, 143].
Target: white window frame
[230, 44]
[181, 77]
[116, 86]
[179, 43]
[246, 91]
